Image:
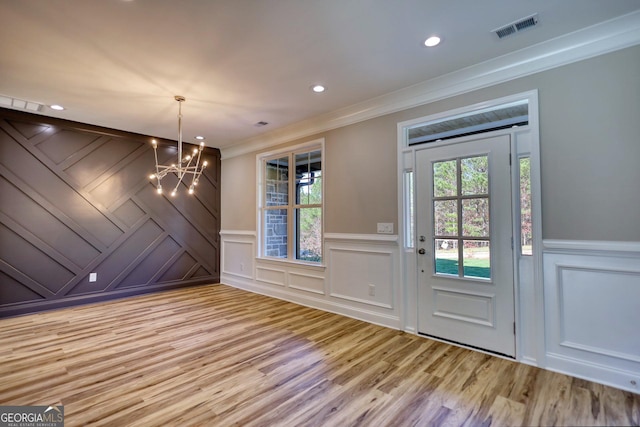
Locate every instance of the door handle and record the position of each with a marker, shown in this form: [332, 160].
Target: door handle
[422, 251]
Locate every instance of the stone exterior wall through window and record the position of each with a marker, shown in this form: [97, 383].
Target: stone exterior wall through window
[277, 194]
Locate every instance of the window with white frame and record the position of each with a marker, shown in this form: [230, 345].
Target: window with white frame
[291, 198]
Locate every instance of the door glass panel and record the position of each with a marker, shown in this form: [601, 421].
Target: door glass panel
[461, 217]
[477, 259]
[475, 217]
[475, 175]
[446, 256]
[445, 214]
[445, 179]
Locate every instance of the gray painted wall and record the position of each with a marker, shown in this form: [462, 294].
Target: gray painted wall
[590, 149]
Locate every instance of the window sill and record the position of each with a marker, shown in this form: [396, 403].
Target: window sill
[292, 263]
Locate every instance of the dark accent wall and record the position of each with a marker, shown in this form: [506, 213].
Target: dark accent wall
[76, 199]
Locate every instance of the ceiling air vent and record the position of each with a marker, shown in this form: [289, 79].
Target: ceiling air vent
[21, 104]
[519, 25]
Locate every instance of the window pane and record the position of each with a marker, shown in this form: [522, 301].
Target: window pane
[408, 209]
[445, 179]
[475, 175]
[445, 216]
[446, 256]
[275, 226]
[475, 217]
[476, 259]
[308, 178]
[277, 182]
[309, 189]
[526, 235]
[309, 234]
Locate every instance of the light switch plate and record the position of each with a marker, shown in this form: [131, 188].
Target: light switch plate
[385, 227]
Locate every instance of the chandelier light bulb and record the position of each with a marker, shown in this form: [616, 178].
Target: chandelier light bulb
[152, 176]
[159, 190]
[191, 189]
[204, 164]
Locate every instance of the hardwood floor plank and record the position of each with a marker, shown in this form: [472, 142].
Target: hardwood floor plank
[218, 356]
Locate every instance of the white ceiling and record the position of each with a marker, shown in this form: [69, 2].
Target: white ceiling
[118, 63]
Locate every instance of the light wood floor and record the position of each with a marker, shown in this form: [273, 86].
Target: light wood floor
[218, 356]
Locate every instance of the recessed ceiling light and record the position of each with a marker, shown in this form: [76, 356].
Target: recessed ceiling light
[57, 107]
[432, 41]
[199, 138]
[318, 88]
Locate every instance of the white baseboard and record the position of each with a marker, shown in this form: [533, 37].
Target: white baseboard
[601, 374]
[381, 319]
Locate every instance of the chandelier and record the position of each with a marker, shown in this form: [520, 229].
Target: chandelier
[187, 165]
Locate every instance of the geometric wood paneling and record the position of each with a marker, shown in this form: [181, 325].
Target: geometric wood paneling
[75, 199]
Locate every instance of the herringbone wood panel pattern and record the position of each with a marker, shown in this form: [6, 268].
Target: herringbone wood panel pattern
[217, 356]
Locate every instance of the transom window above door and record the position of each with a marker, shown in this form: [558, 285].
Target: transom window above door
[470, 123]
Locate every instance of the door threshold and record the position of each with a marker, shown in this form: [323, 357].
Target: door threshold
[470, 347]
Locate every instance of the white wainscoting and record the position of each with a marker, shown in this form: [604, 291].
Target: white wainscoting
[592, 311]
[237, 254]
[360, 278]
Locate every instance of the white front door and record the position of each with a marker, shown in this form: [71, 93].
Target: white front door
[464, 229]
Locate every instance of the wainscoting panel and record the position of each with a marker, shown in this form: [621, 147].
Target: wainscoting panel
[271, 276]
[75, 199]
[238, 254]
[360, 277]
[592, 303]
[307, 282]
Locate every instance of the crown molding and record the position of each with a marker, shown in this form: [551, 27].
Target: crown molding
[599, 39]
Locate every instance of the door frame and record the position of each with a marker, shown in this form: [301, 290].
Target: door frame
[529, 318]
